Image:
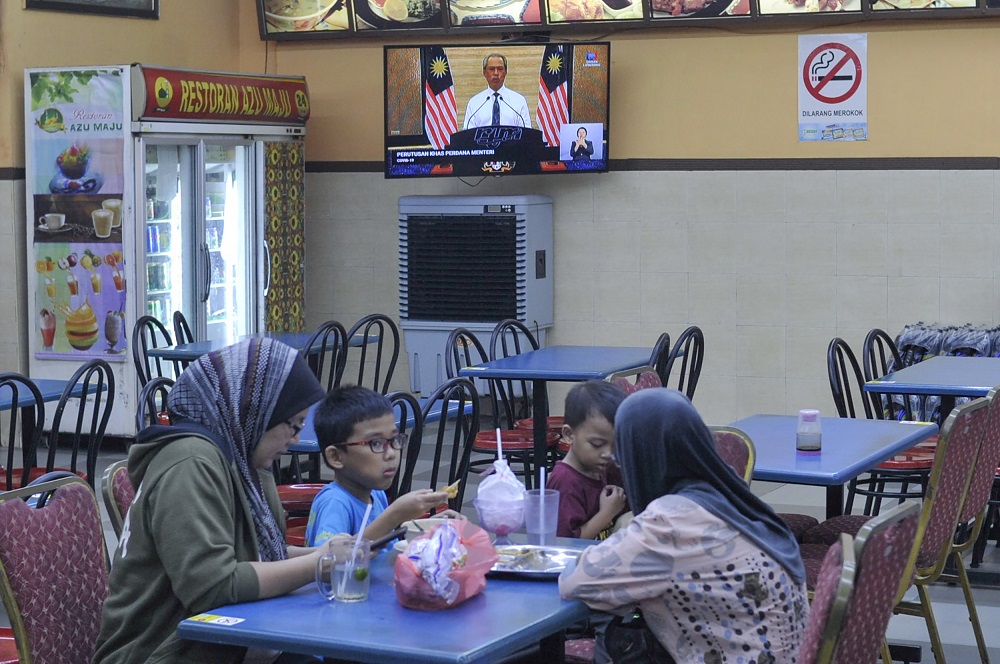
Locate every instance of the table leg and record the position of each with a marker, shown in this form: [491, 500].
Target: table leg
[834, 500]
[947, 405]
[552, 649]
[540, 417]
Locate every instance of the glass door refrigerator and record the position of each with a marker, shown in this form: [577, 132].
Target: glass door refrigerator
[200, 236]
[153, 190]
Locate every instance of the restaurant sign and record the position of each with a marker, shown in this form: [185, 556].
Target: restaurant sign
[181, 94]
[833, 87]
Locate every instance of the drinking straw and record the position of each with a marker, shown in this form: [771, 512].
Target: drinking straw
[349, 567]
[499, 445]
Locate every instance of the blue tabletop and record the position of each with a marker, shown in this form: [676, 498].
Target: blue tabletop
[563, 363]
[51, 390]
[194, 350]
[850, 447]
[942, 375]
[309, 441]
[509, 614]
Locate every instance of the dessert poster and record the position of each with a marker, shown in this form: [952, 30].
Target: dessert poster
[76, 160]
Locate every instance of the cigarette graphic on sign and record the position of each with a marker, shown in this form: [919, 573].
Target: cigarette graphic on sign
[822, 64]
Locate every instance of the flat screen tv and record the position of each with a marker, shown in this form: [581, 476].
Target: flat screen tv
[495, 109]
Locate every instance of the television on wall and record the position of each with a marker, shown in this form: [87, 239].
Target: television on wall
[495, 109]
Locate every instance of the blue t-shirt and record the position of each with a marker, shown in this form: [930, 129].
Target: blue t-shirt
[335, 511]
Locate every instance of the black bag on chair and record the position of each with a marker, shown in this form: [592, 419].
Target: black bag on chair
[629, 640]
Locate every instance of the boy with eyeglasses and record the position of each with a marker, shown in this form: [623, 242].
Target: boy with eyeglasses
[359, 440]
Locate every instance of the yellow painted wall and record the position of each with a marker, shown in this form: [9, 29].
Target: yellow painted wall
[933, 86]
[199, 34]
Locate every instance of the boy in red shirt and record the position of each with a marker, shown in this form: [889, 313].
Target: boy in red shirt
[589, 481]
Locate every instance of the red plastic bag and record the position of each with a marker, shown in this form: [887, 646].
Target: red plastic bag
[414, 592]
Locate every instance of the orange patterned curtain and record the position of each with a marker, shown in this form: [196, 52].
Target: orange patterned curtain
[284, 173]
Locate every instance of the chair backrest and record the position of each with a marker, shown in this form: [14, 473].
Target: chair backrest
[847, 382]
[983, 473]
[118, 493]
[152, 402]
[453, 434]
[833, 589]
[93, 409]
[26, 417]
[182, 331]
[884, 551]
[326, 353]
[954, 458]
[379, 351]
[464, 349]
[406, 407]
[47, 555]
[150, 333]
[645, 376]
[879, 356]
[660, 356]
[690, 349]
[512, 337]
[736, 449]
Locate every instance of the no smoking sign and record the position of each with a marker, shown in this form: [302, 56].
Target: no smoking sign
[832, 73]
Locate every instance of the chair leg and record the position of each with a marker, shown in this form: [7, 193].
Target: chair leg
[970, 602]
[886, 655]
[851, 488]
[937, 648]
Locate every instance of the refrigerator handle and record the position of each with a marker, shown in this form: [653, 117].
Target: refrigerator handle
[267, 263]
[208, 271]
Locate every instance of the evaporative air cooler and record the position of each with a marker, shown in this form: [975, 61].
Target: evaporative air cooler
[470, 261]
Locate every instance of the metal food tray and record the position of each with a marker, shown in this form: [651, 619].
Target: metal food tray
[533, 560]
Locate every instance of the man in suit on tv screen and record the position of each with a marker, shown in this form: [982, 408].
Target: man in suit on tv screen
[497, 104]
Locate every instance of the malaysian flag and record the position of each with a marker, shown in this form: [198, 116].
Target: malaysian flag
[553, 104]
[440, 112]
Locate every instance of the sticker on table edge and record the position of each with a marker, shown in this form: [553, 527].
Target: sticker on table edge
[216, 620]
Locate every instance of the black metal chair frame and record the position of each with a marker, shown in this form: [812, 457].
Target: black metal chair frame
[512, 337]
[404, 406]
[32, 418]
[380, 332]
[330, 358]
[690, 348]
[97, 400]
[152, 401]
[456, 430]
[660, 357]
[144, 337]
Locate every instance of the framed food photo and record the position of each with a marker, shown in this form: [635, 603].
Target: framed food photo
[581, 11]
[782, 7]
[138, 8]
[493, 14]
[393, 15]
[303, 19]
[681, 9]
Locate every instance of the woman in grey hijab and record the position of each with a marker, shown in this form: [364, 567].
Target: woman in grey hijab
[716, 573]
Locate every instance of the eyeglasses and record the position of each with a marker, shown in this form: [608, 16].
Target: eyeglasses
[377, 445]
[296, 428]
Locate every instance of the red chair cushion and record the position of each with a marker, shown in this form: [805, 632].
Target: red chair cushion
[579, 651]
[915, 458]
[513, 440]
[298, 497]
[829, 531]
[123, 491]
[296, 536]
[8, 647]
[799, 524]
[553, 423]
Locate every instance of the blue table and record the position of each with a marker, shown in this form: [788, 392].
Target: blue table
[945, 376]
[558, 363]
[51, 390]
[508, 615]
[192, 351]
[850, 447]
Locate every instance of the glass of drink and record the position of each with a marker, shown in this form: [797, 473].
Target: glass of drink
[95, 282]
[342, 573]
[119, 281]
[74, 285]
[103, 219]
[50, 288]
[113, 329]
[541, 515]
[115, 205]
[47, 325]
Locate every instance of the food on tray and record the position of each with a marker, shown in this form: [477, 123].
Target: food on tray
[578, 10]
[533, 559]
[403, 10]
[819, 5]
[296, 7]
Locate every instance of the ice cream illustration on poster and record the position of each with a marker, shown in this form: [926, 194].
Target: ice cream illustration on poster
[76, 175]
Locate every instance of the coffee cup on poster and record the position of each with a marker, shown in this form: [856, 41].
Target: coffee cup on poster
[52, 221]
[115, 205]
[103, 219]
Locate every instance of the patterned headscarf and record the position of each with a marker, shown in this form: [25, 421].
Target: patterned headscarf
[664, 447]
[232, 393]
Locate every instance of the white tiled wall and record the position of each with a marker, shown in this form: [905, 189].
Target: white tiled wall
[770, 264]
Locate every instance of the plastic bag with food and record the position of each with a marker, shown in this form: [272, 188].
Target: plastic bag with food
[500, 500]
[445, 567]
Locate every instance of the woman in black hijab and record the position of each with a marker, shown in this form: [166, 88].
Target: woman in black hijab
[716, 573]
